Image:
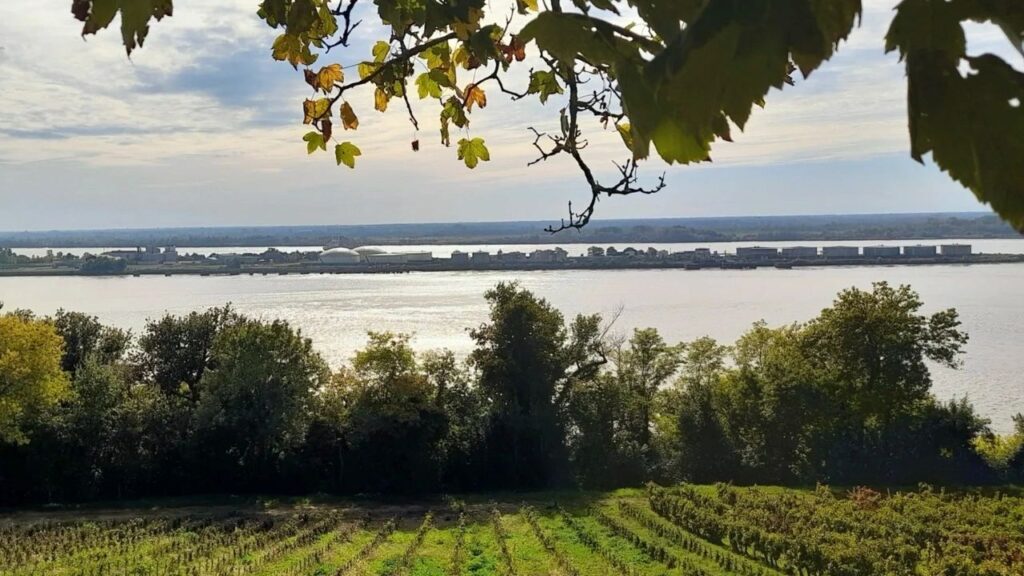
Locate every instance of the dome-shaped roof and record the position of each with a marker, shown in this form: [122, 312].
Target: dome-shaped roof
[339, 251]
[364, 250]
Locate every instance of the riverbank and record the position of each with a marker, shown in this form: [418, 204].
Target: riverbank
[448, 265]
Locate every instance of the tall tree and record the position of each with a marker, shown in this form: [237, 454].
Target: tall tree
[175, 351]
[256, 399]
[644, 368]
[85, 337]
[873, 347]
[523, 364]
[395, 427]
[31, 379]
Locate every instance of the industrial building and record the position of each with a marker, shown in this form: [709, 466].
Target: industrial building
[800, 252]
[340, 256]
[881, 251]
[385, 258]
[757, 253]
[957, 250]
[920, 251]
[459, 257]
[555, 255]
[840, 251]
[419, 256]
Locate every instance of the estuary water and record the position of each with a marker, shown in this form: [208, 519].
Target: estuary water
[439, 308]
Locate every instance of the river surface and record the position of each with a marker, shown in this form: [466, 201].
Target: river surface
[439, 308]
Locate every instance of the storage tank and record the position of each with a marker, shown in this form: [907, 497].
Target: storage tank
[365, 251]
[339, 256]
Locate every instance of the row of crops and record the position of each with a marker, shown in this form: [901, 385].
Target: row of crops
[683, 530]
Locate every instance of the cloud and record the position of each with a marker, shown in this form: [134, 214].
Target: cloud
[204, 115]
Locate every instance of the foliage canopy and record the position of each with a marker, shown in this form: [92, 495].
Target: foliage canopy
[670, 76]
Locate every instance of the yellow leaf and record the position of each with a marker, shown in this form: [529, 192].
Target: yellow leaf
[367, 68]
[380, 100]
[475, 95]
[315, 110]
[349, 120]
[329, 76]
[461, 57]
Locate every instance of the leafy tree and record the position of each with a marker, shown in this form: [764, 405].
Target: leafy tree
[31, 379]
[527, 362]
[677, 78]
[772, 405]
[699, 448]
[464, 409]
[873, 346]
[175, 351]
[255, 399]
[85, 337]
[605, 452]
[102, 265]
[643, 369]
[395, 428]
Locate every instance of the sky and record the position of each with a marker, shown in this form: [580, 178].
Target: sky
[202, 128]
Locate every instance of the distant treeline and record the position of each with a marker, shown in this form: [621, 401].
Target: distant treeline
[217, 402]
[763, 229]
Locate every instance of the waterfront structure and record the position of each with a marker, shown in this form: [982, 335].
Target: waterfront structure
[385, 258]
[556, 255]
[481, 256]
[920, 251]
[416, 257]
[757, 253]
[129, 255]
[459, 257]
[800, 252]
[881, 251]
[340, 256]
[513, 256]
[840, 251]
[956, 250]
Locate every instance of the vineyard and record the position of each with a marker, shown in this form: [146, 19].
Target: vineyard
[685, 530]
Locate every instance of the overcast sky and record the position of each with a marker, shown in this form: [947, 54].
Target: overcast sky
[203, 128]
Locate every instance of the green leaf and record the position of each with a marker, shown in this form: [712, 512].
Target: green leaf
[345, 153]
[545, 83]
[472, 152]
[301, 16]
[970, 123]
[972, 126]
[675, 144]
[426, 86]
[566, 35]
[275, 12]
[313, 141]
[100, 16]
